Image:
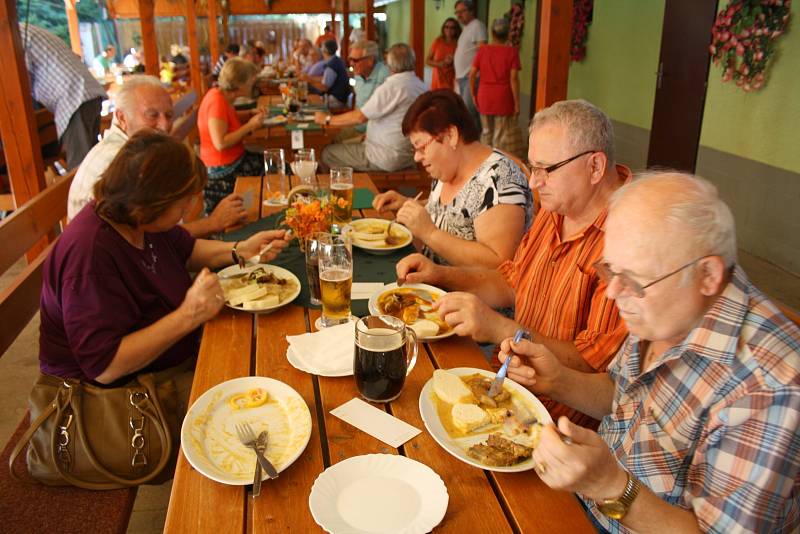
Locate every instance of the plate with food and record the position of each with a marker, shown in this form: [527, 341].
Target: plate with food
[497, 433]
[370, 235]
[412, 304]
[259, 287]
[208, 434]
[275, 121]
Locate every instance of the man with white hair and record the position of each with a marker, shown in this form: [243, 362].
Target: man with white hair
[701, 406]
[385, 147]
[142, 103]
[557, 296]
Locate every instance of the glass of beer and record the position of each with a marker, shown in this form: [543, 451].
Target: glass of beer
[385, 353]
[276, 183]
[335, 278]
[342, 194]
[313, 244]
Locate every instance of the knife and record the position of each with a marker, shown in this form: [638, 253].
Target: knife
[497, 385]
[261, 446]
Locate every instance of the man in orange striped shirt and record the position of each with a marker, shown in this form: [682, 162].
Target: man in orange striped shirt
[551, 282]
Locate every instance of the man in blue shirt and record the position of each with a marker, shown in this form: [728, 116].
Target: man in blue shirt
[370, 72]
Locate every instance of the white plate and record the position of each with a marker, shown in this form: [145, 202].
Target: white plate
[374, 310]
[458, 446]
[292, 358]
[378, 493]
[380, 250]
[208, 434]
[280, 272]
[273, 121]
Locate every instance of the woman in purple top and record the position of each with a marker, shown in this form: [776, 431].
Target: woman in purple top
[117, 297]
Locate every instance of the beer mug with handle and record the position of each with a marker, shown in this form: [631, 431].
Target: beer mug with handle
[384, 354]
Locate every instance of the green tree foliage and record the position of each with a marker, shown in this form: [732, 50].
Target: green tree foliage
[47, 14]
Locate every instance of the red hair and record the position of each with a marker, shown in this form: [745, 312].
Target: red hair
[435, 112]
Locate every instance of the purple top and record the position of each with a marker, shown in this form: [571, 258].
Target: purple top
[97, 288]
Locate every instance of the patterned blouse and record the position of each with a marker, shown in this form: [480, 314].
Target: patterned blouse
[497, 181]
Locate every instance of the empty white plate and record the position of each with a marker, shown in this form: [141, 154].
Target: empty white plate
[378, 493]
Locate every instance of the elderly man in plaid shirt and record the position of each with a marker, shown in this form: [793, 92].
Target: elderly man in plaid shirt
[701, 406]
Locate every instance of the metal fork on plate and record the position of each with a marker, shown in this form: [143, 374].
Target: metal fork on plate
[259, 444]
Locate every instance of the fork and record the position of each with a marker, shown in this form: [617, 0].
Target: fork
[249, 439]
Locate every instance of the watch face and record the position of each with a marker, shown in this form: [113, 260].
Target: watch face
[613, 509]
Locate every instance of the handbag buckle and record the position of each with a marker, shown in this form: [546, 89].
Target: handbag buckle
[137, 397]
[63, 442]
[139, 459]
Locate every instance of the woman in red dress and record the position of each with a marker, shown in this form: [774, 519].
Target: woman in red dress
[441, 56]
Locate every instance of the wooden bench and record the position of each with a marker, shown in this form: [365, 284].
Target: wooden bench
[412, 178]
[27, 506]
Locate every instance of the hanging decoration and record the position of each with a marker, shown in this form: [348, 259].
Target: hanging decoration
[743, 39]
[516, 18]
[581, 18]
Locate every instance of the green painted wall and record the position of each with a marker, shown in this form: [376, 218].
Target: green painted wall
[398, 22]
[761, 126]
[618, 73]
[434, 18]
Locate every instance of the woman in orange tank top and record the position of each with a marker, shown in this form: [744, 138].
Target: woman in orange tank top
[441, 56]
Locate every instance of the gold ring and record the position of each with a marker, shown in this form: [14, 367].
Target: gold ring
[540, 468]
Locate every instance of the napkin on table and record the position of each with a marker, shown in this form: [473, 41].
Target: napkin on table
[326, 351]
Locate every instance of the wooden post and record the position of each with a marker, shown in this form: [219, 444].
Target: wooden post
[72, 23]
[369, 19]
[554, 43]
[226, 37]
[213, 34]
[152, 63]
[195, 73]
[18, 127]
[418, 34]
[345, 29]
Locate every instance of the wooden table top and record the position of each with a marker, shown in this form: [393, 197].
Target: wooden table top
[236, 344]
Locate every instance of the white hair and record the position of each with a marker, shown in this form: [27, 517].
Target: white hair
[126, 96]
[370, 48]
[400, 58]
[688, 202]
[588, 128]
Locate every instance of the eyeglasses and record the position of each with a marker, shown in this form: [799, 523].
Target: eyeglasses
[358, 59]
[629, 286]
[543, 173]
[451, 27]
[421, 148]
[460, 11]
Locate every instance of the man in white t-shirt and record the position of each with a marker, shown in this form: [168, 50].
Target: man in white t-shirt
[142, 103]
[385, 147]
[473, 35]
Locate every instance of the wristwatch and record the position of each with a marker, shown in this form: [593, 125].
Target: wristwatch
[235, 254]
[618, 508]
[328, 120]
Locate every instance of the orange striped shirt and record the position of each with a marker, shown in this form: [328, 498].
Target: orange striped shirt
[559, 295]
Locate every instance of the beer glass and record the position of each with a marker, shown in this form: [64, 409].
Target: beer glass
[335, 278]
[305, 165]
[277, 185]
[385, 353]
[313, 244]
[302, 91]
[342, 194]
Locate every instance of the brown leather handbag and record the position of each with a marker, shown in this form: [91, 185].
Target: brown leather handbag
[105, 438]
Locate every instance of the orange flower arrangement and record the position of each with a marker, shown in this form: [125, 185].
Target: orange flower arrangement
[306, 218]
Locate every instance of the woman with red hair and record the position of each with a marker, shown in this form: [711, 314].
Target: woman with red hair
[480, 204]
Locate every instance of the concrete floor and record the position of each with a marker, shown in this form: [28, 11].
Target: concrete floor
[19, 365]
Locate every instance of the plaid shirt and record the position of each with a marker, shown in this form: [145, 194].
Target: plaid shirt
[59, 80]
[712, 427]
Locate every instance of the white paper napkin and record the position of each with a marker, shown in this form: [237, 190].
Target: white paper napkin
[328, 351]
[365, 290]
[375, 422]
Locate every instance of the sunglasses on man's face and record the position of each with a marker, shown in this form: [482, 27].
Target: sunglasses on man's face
[358, 59]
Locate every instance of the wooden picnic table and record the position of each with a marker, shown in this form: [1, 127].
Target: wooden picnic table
[237, 344]
[279, 137]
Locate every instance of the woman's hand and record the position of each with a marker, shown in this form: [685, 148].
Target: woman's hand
[203, 300]
[417, 219]
[256, 120]
[533, 365]
[256, 243]
[388, 201]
